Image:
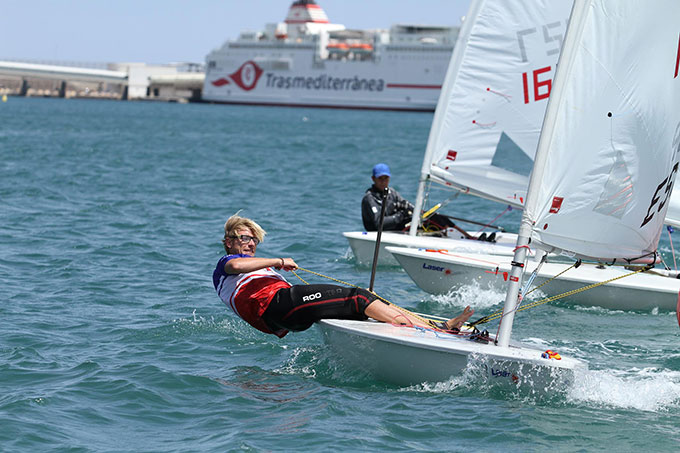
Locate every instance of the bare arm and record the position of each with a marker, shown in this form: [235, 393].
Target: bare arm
[244, 265]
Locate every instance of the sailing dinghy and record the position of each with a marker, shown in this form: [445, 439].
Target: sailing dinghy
[495, 93]
[439, 271]
[604, 169]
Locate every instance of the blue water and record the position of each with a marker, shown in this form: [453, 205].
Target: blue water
[113, 339]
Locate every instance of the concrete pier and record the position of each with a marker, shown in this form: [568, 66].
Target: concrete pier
[124, 81]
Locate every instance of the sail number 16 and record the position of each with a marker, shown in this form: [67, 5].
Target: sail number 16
[541, 86]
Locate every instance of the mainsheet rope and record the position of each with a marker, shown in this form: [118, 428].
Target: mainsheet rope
[508, 209]
[499, 314]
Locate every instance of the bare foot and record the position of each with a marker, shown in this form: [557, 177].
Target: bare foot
[458, 321]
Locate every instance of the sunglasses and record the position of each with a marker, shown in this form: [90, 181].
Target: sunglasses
[244, 238]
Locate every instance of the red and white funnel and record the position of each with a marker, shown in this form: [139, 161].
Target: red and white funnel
[303, 11]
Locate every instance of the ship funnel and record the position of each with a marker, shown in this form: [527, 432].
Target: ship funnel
[303, 11]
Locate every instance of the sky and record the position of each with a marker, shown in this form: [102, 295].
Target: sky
[167, 31]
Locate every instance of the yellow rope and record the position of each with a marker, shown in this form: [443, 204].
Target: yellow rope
[549, 280]
[580, 290]
[495, 315]
[498, 314]
[321, 275]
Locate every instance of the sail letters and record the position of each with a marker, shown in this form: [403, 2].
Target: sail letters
[668, 183]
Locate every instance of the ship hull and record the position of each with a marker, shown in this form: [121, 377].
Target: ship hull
[247, 76]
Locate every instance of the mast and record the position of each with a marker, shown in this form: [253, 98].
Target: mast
[576, 24]
[420, 199]
[440, 111]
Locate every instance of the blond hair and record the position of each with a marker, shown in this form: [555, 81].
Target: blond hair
[235, 223]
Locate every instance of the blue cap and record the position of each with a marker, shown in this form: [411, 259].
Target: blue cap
[381, 170]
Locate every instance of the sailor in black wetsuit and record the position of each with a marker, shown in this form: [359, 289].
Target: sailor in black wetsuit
[398, 211]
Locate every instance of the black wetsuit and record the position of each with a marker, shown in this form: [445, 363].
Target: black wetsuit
[398, 212]
[298, 307]
[395, 219]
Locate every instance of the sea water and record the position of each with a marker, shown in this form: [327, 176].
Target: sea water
[112, 337]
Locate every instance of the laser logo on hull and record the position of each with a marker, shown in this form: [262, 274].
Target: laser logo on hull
[431, 267]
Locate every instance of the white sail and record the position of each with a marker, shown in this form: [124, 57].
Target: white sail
[612, 131]
[608, 152]
[498, 82]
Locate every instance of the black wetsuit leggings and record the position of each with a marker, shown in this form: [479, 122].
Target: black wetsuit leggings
[298, 307]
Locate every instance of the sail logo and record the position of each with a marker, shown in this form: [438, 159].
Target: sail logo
[245, 77]
[556, 205]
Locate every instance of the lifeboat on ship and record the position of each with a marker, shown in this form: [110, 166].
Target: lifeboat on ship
[361, 51]
[338, 49]
[361, 48]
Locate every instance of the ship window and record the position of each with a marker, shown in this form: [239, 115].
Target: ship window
[212, 64]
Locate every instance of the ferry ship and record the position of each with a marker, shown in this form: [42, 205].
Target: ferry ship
[307, 61]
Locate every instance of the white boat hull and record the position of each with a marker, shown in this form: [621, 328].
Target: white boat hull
[297, 68]
[407, 356]
[363, 245]
[440, 272]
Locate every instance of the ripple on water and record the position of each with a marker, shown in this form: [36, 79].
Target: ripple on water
[114, 340]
